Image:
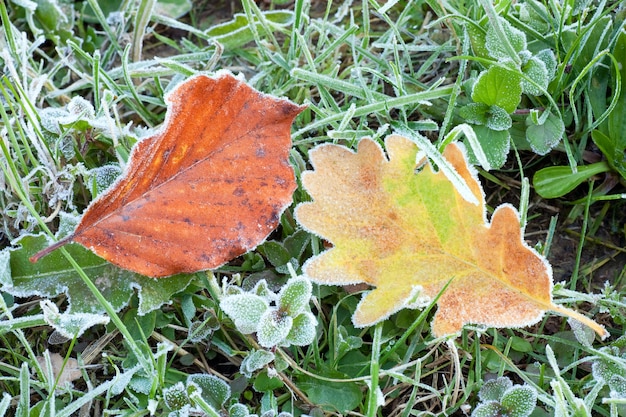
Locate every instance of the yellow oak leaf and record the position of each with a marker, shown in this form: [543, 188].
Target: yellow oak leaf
[402, 227]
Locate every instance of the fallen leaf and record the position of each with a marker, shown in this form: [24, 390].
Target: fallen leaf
[409, 234]
[210, 185]
[62, 374]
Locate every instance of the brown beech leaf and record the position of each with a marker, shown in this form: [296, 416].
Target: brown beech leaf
[409, 234]
[210, 185]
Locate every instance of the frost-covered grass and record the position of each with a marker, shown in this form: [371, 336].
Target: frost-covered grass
[82, 82]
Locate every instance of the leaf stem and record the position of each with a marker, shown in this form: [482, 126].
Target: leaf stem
[46, 251]
[600, 330]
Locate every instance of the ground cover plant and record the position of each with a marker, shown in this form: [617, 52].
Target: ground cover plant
[385, 95]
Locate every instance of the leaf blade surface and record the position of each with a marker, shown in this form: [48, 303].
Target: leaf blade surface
[210, 185]
[407, 234]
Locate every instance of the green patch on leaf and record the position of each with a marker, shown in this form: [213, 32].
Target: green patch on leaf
[495, 145]
[332, 396]
[554, 182]
[545, 136]
[498, 87]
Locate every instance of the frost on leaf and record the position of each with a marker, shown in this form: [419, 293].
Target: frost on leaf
[273, 328]
[176, 396]
[494, 389]
[536, 70]
[294, 297]
[101, 178]
[278, 320]
[611, 372]
[495, 45]
[213, 390]
[223, 149]
[396, 229]
[245, 310]
[256, 360]
[302, 331]
[70, 325]
[500, 397]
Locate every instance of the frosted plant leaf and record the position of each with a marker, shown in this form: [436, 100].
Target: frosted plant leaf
[67, 224]
[284, 414]
[494, 144]
[65, 144]
[493, 390]
[495, 46]
[50, 119]
[532, 17]
[500, 87]
[245, 310]
[70, 324]
[302, 331]
[256, 360]
[273, 328]
[544, 137]
[549, 60]
[238, 410]
[490, 409]
[213, 390]
[202, 330]
[141, 383]
[617, 384]
[101, 178]
[122, 380]
[262, 290]
[498, 119]
[583, 334]
[294, 297]
[475, 113]
[536, 70]
[79, 109]
[163, 348]
[519, 401]
[175, 397]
